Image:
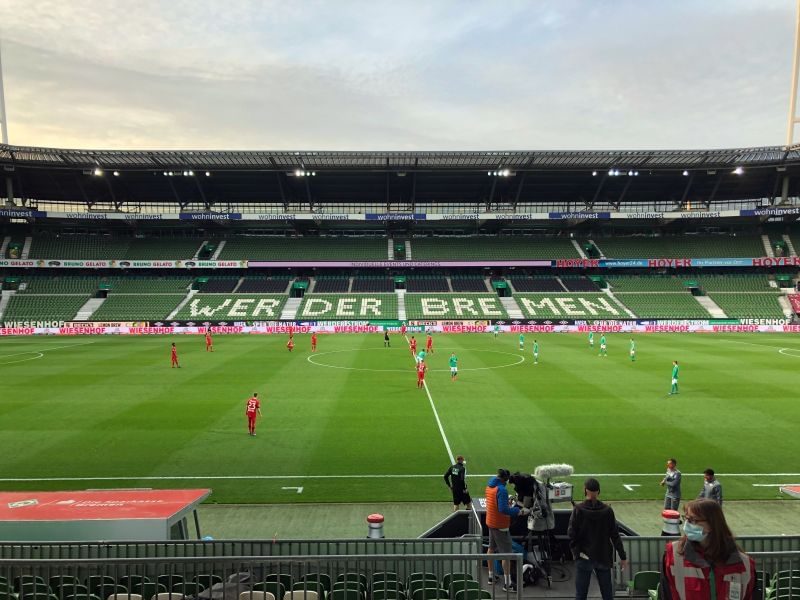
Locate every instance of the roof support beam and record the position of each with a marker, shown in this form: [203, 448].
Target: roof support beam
[175, 192]
[686, 190]
[202, 193]
[519, 188]
[624, 191]
[597, 191]
[713, 192]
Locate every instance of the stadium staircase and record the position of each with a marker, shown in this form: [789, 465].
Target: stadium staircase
[767, 245]
[561, 283]
[712, 307]
[390, 254]
[87, 310]
[289, 312]
[512, 308]
[5, 297]
[196, 254]
[401, 304]
[408, 249]
[786, 307]
[4, 247]
[599, 249]
[26, 248]
[617, 302]
[238, 285]
[181, 305]
[579, 249]
[789, 245]
[217, 252]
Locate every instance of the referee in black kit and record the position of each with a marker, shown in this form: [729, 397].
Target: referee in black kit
[456, 479]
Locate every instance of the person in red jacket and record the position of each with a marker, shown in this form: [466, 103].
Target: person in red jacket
[706, 563]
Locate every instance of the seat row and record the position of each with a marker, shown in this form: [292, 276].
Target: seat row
[312, 586]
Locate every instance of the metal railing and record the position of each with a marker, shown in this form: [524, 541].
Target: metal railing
[204, 548]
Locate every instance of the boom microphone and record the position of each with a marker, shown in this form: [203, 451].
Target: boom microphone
[545, 472]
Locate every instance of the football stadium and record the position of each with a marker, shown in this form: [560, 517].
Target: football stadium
[251, 375]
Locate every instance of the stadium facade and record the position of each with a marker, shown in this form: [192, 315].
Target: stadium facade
[686, 238]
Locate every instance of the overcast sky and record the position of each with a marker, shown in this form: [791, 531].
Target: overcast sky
[397, 75]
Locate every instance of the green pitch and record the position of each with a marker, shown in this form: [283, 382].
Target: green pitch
[349, 424]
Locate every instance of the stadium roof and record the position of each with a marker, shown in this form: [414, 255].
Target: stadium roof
[584, 177]
[259, 160]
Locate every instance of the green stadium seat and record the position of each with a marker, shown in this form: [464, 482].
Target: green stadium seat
[276, 588]
[454, 306]
[256, 595]
[472, 594]
[642, 582]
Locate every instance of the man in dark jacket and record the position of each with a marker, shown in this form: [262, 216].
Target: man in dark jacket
[592, 531]
[456, 479]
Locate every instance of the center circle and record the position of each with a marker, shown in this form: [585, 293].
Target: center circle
[311, 357]
[34, 356]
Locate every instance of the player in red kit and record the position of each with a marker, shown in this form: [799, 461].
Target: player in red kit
[314, 342]
[253, 410]
[413, 345]
[421, 368]
[174, 356]
[290, 344]
[429, 344]
[403, 329]
[209, 342]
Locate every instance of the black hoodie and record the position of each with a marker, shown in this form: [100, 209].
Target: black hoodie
[592, 530]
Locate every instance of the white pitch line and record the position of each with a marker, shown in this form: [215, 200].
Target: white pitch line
[436, 415]
[772, 484]
[439, 423]
[373, 476]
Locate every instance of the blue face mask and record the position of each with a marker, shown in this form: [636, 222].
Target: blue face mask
[694, 532]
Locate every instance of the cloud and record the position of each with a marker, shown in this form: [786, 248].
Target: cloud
[411, 75]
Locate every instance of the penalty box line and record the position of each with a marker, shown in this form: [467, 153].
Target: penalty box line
[355, 476]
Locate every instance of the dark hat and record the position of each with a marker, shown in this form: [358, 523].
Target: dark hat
[591, 485]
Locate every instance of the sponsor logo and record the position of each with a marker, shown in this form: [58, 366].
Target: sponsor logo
[23, 503]
[145, 217]
[94, 216]
[20, 214]
[578, 262]
[645, 215]
[701, 215]
[463, 217]
[669, 262]
[778, 261]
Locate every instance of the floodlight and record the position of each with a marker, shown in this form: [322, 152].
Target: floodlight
[686, 173]
[116, 173]
[191, 173]
[505, 172]
[594, 173]
[208, 174]
[97, 172]
[738, 171]
[630, 173]
[611, 172]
